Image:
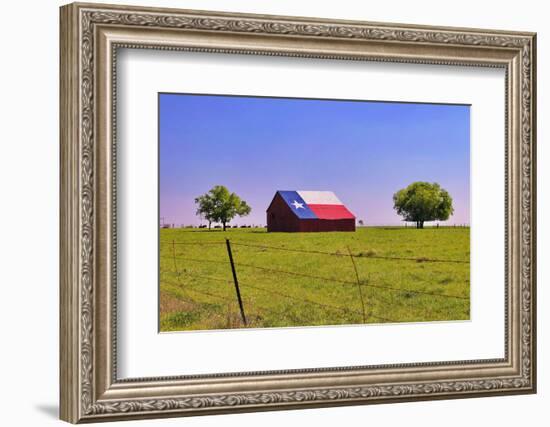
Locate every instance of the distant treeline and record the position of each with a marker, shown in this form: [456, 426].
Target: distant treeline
[206, 226]
[405, 225]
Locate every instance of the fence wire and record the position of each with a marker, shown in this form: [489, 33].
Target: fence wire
[175, 257]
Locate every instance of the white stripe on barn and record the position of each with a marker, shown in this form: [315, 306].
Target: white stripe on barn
[319, 197]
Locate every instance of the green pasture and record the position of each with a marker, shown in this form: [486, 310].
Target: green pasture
[287, 279]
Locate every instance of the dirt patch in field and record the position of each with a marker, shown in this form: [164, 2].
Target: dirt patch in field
[169, 304]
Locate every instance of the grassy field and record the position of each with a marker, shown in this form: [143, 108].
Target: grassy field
[405, 275]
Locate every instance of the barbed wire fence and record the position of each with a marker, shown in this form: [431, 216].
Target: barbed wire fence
[364, 312]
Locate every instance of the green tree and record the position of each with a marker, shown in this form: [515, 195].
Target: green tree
[220, 205]
[423, 201]
[205, 208]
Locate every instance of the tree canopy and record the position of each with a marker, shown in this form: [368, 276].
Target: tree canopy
[423, 201]
[220, 205]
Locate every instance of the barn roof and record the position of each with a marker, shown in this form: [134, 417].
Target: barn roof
[307, 204]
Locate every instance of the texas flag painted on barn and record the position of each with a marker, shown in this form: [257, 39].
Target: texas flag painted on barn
[315, 205]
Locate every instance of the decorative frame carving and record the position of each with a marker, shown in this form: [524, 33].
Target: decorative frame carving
[90, 36]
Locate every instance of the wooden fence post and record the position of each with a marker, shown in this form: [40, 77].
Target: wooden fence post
[174, 256]
[235, 280]
[358, 285]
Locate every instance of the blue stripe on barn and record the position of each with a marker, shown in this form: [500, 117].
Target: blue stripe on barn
[297, 205]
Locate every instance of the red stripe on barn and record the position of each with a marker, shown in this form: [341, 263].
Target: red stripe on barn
[331, 211]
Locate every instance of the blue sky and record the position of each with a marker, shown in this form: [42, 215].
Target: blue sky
[363, 151]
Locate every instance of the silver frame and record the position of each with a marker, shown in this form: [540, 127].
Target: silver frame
[90, 37]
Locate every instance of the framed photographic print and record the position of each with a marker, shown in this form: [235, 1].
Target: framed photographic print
[264, 212]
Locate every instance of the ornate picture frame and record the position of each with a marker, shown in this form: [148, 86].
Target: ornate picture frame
[90, 37]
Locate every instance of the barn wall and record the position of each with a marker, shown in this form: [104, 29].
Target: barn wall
[280, 217]
[316, 225]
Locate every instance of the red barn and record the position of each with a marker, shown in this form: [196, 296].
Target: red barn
[308, 211]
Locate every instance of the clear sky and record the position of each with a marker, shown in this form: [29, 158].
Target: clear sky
[363, 151]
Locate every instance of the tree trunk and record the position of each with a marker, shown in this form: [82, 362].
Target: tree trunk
[223, 223]
[209, 224]
[419, 224]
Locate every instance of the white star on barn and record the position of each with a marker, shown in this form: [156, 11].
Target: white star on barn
[298, 205]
